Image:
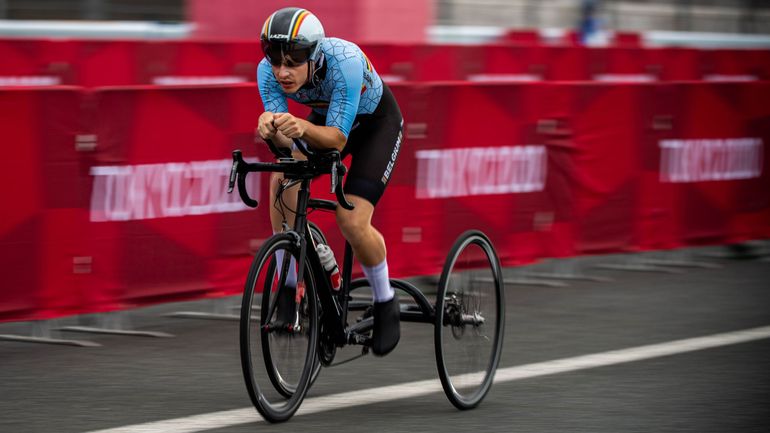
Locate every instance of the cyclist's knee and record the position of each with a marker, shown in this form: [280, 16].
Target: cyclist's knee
[352, 224]
[348, 223]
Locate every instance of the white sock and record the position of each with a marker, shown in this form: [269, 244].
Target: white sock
[378, 279]
[291, 277]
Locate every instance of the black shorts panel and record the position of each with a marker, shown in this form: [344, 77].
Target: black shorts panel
[373, 144]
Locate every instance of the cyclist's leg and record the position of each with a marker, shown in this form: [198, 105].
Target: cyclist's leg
[369, 247]
[374, 146]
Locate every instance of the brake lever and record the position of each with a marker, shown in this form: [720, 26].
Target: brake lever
[233, 176]
[334, 177]
[241, 180]
[340, 170]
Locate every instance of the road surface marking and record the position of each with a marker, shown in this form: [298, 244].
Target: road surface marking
[228, 418]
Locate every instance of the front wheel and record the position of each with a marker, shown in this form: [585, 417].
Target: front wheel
[470, 316]
[278, 335]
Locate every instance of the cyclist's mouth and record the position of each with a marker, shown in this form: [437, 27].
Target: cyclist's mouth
[287, 84]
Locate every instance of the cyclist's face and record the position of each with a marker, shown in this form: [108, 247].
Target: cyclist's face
[291, 76]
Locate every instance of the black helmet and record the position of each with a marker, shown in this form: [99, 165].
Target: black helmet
[294, 33]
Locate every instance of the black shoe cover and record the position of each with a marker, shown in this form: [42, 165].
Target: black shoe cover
[387, 330]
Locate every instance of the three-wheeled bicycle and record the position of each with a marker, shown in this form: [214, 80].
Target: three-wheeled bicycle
[281, 358]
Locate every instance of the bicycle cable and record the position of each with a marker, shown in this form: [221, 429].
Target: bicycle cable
[279, 203]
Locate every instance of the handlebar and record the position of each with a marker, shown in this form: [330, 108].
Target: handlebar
[317, 163]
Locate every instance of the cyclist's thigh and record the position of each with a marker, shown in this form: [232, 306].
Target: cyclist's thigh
[374, 149]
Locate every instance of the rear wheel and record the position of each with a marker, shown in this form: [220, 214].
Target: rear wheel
[469, 320]
[278, 336]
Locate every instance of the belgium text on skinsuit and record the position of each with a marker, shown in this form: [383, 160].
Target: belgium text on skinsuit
[481, 171]
[175, 189]
[712, 159]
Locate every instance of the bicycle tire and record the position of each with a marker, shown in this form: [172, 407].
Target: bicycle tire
[464, 316]
[273, 374]
[280, 406]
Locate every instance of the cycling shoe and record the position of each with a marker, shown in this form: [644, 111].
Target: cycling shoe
[387, 330]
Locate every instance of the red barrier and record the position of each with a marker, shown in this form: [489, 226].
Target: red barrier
[724, 180]
[170, 62]
[37, 62]
[464, 175]
[735, 64]
[529, 37]
[620, 64]
[106, 63]
[161, 221]
[603, 188]
[109, 63]
[673, 64]
[605, 130]
[39, 229]
[131, 207]
[516, 62]
[569, 64]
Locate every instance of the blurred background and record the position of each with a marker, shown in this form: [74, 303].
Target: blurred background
[621, 127]
[614, 152]
[193, 17]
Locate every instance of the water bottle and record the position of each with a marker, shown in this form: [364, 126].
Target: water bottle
[330, 264]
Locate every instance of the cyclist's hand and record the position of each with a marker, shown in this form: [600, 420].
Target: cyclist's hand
[266, 127]
[289, 126]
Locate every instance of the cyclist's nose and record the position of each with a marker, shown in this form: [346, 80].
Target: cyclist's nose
[284, 72]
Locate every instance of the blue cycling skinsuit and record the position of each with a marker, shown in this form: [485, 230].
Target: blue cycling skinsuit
[347, 93]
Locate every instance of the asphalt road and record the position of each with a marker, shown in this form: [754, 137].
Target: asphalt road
[726, 388]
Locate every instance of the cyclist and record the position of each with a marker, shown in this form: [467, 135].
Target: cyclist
[354, 112]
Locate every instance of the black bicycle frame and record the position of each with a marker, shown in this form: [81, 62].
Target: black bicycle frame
[334, 305]
[334, 317]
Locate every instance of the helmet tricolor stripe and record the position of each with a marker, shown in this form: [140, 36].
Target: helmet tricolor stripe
[285, 22]
[298, 23]
[266, 26]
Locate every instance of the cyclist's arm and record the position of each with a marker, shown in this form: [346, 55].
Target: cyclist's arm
[273, 100]
[320, 137]
[343, 108]
[325, 137]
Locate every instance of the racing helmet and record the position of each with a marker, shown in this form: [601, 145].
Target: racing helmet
[292, 34]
